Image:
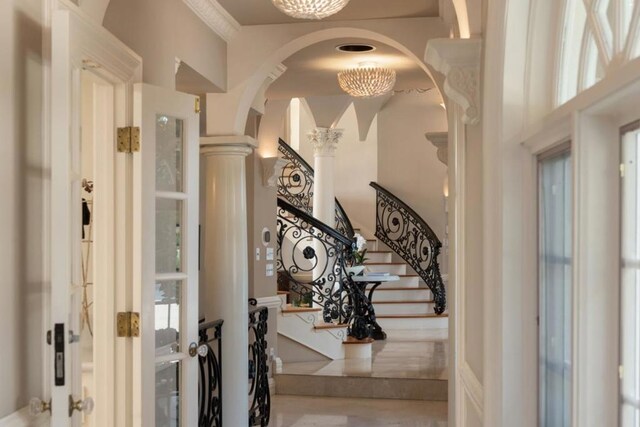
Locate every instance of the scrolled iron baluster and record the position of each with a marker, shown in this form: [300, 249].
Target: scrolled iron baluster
[210, 383]
[407, 234]
[260, 408]
[296, 184]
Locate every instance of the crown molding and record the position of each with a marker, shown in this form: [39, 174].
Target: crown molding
[216, 17]
[459, 61]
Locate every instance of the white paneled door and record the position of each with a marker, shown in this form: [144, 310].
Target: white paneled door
[165, 225]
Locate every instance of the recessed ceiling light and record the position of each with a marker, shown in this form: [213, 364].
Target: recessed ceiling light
[355, 48]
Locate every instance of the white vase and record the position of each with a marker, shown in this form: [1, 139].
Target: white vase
[355, 270]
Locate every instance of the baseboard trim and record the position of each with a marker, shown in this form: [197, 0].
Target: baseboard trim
[472, 387]
[22, 418]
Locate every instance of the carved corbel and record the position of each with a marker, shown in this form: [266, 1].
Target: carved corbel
[459, 61]
[441, 141]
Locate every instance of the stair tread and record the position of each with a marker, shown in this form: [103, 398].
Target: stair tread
[283, 292]
[292, 309]
[330, 326]
[415, 288]
[352, 340]
[385, 263]
[430, 301]
[379, 252]
[412, 316]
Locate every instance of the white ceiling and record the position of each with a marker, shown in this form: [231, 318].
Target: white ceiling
[259, 12]
[313, 71]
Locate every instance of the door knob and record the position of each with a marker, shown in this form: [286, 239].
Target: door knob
[38, 406]
[85, 405]
[198, 350]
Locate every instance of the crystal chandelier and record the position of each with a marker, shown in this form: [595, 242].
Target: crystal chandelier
[310, 9]
[367, 81]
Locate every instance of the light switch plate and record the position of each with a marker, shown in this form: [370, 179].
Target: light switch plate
[269, 255]
[257, 254]
[269, 270]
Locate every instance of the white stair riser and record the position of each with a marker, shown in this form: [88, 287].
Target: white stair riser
[372, 244]
[420, 308]
[299, 327]
[378, 257]
[358, 351]
[404, 282]
[387, 268]
[402, 295]
[408, 323]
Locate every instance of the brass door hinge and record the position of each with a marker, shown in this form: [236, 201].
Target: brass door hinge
[128, 324]
[128, 139]
[197, 105]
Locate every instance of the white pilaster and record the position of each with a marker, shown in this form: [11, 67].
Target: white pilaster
[225, 289]
[325, 143]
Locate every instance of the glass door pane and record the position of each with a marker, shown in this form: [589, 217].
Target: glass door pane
[555, 308]
[630, 282]
[170, 198]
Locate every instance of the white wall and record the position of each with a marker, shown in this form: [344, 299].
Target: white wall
[160, 32]
[23, 229]
[408, 165]
[356, 165]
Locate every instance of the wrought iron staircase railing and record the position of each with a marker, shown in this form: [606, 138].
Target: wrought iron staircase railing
[260, 398]
[296, 183]
[210, 384]
[312, 261]
[408, 235]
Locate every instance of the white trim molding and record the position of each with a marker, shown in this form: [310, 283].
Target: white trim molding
[22, 418]
[270, 302]
[472, 387]
[216, 17]
[440, 140]
[459, 61]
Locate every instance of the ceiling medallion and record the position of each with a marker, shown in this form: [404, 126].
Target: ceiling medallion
[310, 9]
[367, 81]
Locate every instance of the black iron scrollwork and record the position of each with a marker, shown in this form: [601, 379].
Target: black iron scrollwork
[407, 234]
[312, 259]
[210, 384]
[260, 398]
[296, 183]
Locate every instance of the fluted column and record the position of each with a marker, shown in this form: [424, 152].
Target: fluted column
[325, 143]
[225, 286]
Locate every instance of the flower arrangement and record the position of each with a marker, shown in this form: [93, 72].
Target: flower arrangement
[359, 250]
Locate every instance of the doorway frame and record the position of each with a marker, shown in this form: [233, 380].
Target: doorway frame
[93, 47]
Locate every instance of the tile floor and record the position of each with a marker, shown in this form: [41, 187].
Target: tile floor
[297, 411]
[418, 354]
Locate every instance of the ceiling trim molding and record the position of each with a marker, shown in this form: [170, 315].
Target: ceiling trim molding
[216, 17]
[459, 61]
[440, 140]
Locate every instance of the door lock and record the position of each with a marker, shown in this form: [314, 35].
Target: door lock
[85, 405]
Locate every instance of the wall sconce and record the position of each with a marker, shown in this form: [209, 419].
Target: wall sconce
[271, 170]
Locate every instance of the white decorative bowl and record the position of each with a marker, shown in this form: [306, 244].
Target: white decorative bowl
[355, 270]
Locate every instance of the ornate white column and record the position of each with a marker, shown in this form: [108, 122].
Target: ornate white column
[225, 286]
[325, 143]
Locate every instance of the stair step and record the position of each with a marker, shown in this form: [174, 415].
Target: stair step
[403, 308]
[284, 292]
[401, 294]
[366, 387]
[398, 268]
[406, 281]
[352, 340]
[421, 321]
[292, 309]
[379, 256]
[323, 326]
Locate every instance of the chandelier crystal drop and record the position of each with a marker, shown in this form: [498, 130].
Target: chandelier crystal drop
[367, 81]
[310, 9]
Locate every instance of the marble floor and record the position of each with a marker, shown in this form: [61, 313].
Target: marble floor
[298, 411]
[416, 354]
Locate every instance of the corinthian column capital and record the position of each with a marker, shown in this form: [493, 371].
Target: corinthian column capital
[325, 140]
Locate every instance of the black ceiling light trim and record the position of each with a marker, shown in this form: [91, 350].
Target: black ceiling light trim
[355, 48]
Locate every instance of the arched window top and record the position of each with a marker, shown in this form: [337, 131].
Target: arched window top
[597, 37]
